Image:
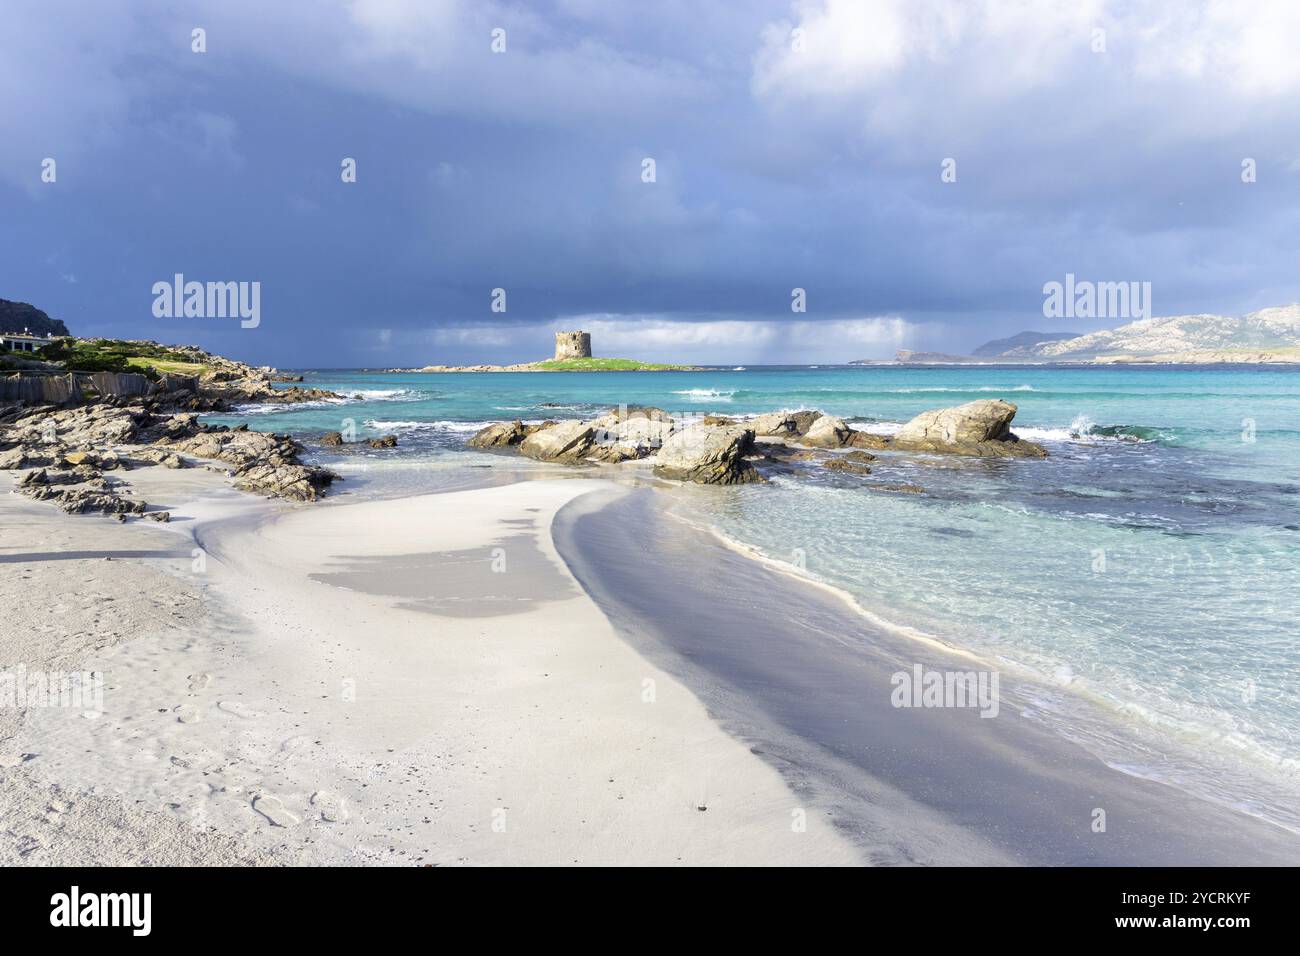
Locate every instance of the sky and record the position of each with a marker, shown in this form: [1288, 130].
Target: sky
[919, 168]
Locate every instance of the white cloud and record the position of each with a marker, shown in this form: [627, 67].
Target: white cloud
[923, 69]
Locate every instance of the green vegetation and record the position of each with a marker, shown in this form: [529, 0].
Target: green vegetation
[167, 365]
[113, 355]
[606, 365]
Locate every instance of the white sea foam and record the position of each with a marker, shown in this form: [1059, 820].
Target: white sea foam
[946, 388]
[380, 394]
[706, 394]
[271, 408]
[435, 426]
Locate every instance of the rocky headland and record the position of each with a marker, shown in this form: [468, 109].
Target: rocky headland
[73, 424]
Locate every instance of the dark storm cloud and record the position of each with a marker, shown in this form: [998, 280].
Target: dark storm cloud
[780, 164]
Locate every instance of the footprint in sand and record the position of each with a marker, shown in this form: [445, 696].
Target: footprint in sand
[271, 808]
[238, 709]
[296, 744]
[333, 808]
[186, 713]
[199, 682]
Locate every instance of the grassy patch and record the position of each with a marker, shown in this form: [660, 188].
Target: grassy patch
[605, 365]
[113, 355]
[166, 365]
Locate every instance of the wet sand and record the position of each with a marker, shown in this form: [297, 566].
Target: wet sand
[790, 669]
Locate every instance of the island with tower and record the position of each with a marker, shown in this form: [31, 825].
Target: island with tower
[572, 354]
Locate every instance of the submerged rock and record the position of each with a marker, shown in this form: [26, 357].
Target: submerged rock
[708, 454]
[854, 462]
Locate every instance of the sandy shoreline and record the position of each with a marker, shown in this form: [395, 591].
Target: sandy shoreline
[794, 670]
[409, 705]
[540, 672]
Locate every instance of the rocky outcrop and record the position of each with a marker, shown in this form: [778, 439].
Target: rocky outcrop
[784, 424]
[284, 480]
[169, 382]
[981, 428]
[567, 441]
[978, 421]
[628, 434]
[71, 448]
[707, 454]
[504, 434]
[855, 462]
[828, 432]
[22, 317]
[722, 450]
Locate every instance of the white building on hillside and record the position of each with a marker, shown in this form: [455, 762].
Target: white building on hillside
[23, 342]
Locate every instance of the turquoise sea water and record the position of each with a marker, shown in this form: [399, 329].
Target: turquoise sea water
[1150, 565]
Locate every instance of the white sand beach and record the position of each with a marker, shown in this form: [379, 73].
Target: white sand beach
[417, 681]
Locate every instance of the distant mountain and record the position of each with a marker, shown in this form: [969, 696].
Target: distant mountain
[1020, 340]
[1267, 335]
[17, 316]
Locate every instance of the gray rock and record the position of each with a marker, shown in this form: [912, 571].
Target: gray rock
[784, 424]
[980, 428]
[499, 435]
[708, 454]
[567, 441]
[638, 434]
[828, 432]
[983, 420]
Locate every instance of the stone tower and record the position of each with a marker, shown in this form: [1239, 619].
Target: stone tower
[570, 345]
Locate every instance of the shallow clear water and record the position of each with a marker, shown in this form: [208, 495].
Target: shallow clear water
[1150, 563]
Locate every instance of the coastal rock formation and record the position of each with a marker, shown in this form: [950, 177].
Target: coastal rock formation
[72, 447]
[20, 317]
[335, 440]
[265, 463]
[721, 450]
[567, 441]
[627, 434]
[981, 428]
[828, 432]
[984, 420]
[284, 480]
[784, 424]
[854, 462]
[504, 434]
[710, 455]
